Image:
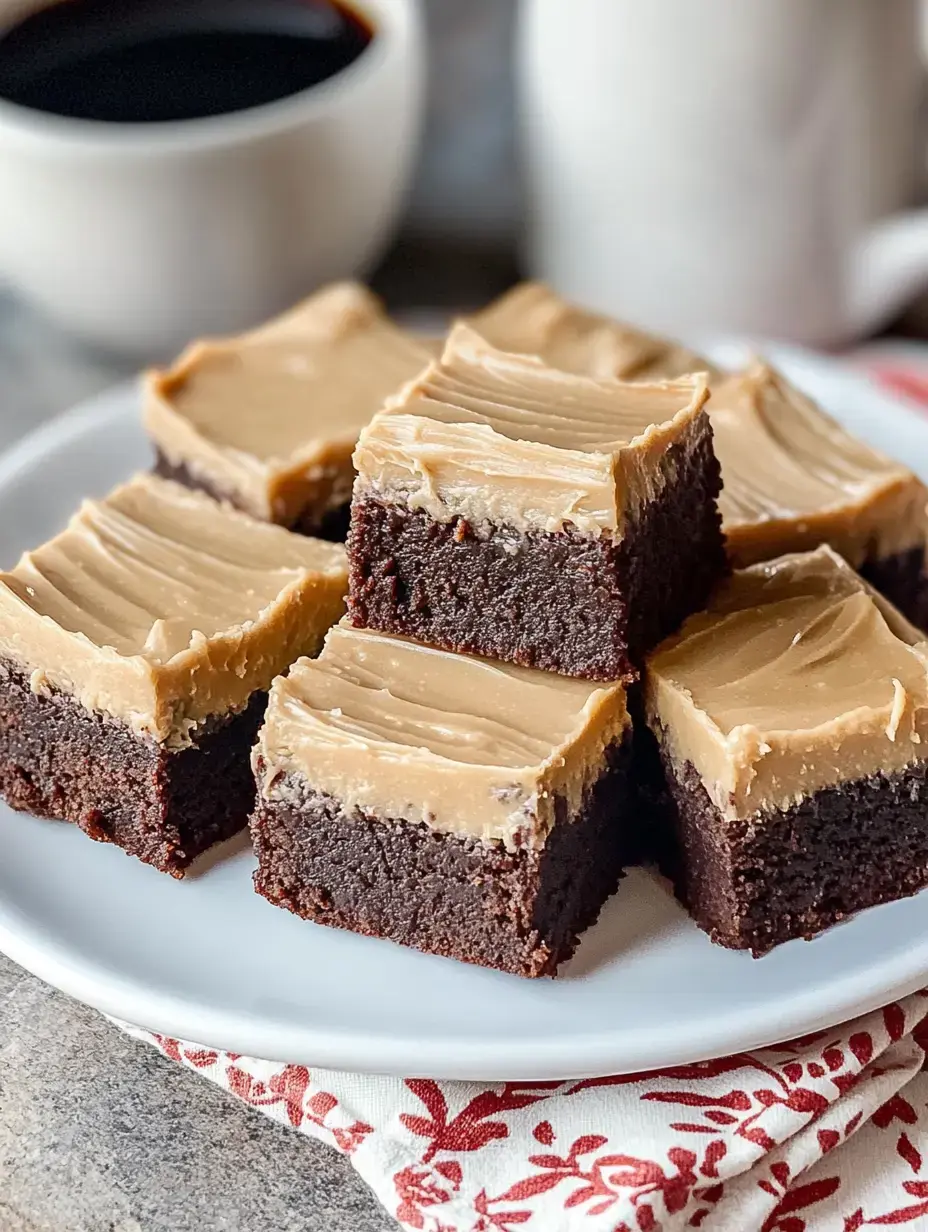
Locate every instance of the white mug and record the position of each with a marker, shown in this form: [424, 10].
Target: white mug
[141, 237]
[737, 165]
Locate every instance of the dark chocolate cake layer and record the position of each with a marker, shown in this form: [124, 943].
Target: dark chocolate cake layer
[333, 525]
[521, 912]
[59, 760]
[902, 579]
[563, 602]
[752, 884]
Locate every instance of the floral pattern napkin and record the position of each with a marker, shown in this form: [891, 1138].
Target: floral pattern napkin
[826, 1133]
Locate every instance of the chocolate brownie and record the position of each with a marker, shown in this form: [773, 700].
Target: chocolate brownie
[268, 421]
[509, 509]
[332, 525]
[791, 725]
[136, 650]
[793, 478]
[458, 805]
[165, 806]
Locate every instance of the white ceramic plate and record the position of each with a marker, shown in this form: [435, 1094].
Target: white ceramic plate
[208, 960]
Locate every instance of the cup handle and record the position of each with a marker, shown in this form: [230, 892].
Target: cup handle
[889, 269]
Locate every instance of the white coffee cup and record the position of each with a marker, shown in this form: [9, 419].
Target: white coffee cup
[140, 237]
[745, 165]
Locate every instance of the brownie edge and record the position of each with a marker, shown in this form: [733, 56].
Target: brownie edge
[518, 911]
[563, 602]
[753, 884]
[902, 579]
[332, 525]
[61, 761]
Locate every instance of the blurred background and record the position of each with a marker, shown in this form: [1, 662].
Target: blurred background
[460, 236]
[690, 207]
[457, 241]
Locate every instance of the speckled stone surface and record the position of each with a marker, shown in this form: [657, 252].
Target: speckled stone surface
[99, 1133]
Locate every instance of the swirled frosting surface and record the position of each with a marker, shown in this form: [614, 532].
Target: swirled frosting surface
[505, 439]
[794, 478]
[270, 419]
[463, 744]
[798, 677]
[531, 319]
[159, 607]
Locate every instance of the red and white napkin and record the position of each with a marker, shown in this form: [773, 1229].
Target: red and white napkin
[900, 366]
[828, 1133]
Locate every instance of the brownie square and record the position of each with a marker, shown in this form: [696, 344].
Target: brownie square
[461, 806]
[816, 484]
[136, 650]
[267, 421]
[513, 510]
[791, 731]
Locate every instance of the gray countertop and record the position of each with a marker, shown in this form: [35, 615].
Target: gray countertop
[99, 1133]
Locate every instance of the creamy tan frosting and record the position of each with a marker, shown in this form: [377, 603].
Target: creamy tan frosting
[503, 439]
[794, 478]
[269, 419]
[798, 677]
[531, 319]
[466, 745]
[159, 607]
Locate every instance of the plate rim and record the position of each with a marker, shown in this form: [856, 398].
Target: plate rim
[365, 1051]
[170, 1016]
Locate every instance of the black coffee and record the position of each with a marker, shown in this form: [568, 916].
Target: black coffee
[150, 61]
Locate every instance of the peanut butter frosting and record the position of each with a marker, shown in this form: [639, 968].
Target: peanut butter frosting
[269, 419]
[798, 677]
[466, 745]
[531, 319]
[505, 440]
[161, 608]
[794, 478]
